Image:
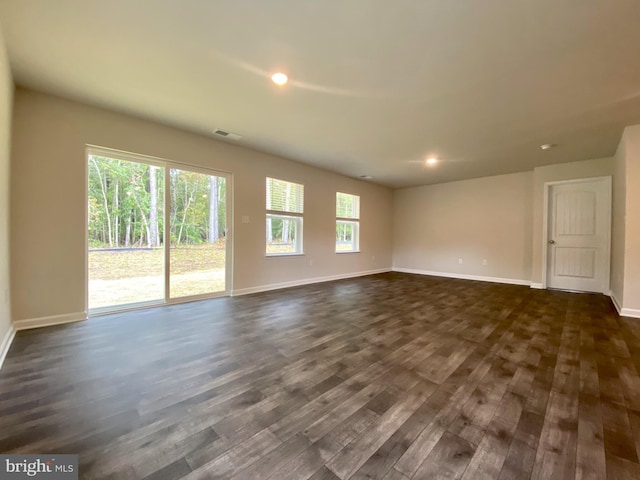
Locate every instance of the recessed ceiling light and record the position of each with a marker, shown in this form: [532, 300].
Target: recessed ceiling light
[279, 78]
[547, 146]
[366, 177]
[432, 161]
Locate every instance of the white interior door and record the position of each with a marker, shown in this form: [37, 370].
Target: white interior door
[579, 235]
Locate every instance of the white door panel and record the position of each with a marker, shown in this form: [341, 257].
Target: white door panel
[578, 234]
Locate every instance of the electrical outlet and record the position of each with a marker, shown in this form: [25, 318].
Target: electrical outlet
[311, 263]
[484, 261]
[245, 219]
[460, 261]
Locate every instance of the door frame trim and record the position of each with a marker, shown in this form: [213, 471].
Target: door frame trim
[545, 225]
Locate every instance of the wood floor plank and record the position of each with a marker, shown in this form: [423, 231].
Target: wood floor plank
[630, 382]
[519, 461]
[324, 474]
[590, 461]
[393, 474]
[302, 466]
[334, 441]
[621, 469]
[238, 457]
[618, 435]
[493, 449]
[354, 455]
[634, 418]
[273, 460]
[335, 417]
[430, 436]
[378, 464]
[448, 459]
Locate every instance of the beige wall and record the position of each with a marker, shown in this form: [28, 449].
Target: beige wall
[618, 221]
[48, 203]
[495, 218]
[6, 102]
[600, 167]
[631, 297]
[487, 218]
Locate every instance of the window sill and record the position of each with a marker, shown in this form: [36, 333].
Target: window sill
[347, 251]
[270, 255]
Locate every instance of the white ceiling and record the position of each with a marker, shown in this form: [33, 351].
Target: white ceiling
[375, 87]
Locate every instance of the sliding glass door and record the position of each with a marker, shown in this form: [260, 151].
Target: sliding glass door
[198, 243]
[140, 253]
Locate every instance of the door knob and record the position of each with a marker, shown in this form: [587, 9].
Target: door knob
[551, 242]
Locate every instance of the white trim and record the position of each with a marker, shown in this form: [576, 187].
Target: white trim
[197, 298]
[166, 232]
[537, 286]
[306, 281]
[545, 233]
[229, 234]
[579, 180]
[122, 155]
[86, 227]
[127, 307]
[48, 321]
[615, 302]
[132, 307]
[462, 276]
[630, 312]
[6, 343]
[148, 159]
[623, 312]
[166, 165]
[545, 225]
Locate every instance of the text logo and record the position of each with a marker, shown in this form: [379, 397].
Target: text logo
[50, 467]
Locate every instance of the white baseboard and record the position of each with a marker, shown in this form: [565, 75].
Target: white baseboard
[306, 281]
[537, 286]
[623, 312]
[480, 278]
[49, 321]
[6, 343]
[615, 302]
[630, 312]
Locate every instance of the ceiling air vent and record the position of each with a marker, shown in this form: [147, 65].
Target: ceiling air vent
[227, 135]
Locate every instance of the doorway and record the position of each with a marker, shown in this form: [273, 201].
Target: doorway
[579, 235]
[197, 225]
[156, 232]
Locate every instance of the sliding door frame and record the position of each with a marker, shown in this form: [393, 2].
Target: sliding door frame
[167, 165]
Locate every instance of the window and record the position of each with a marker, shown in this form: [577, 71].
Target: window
[347, 222]
[285, 206]
[134, 235]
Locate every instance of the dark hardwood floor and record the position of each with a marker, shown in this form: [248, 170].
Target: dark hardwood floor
[392, 376]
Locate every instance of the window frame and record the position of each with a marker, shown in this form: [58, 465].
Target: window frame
[354, 221]
[296, 217]
[167, 165]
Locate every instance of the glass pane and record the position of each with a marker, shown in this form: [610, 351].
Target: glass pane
[197, 252]
[285, 196]
[126, 211]
[346, 236]
[347, 205]
[284, 234]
